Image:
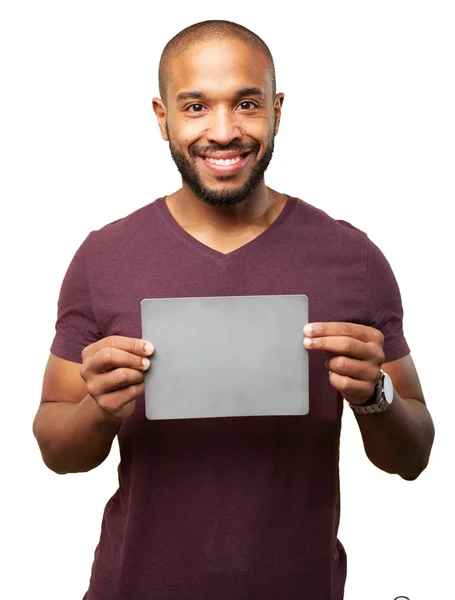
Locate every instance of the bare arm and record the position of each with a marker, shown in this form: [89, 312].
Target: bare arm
[82, 406]
[398, 440]
[72, 432]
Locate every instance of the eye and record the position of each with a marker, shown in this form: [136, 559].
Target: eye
[195, 108]
[247, 105]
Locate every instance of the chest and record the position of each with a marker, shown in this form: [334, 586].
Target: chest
[332, 279]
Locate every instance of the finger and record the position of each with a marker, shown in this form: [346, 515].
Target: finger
[346, 346]
[354, 391]
[360, 332]
[112, 403]
[108, 358]
[136, 346]
[351, 367]
[105, 383]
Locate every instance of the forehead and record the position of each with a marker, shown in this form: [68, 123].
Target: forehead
[218, 67]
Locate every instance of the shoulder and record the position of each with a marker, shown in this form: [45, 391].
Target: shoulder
[126, 229]
[324, 228]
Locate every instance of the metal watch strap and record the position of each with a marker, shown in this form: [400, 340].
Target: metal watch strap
[380, 403]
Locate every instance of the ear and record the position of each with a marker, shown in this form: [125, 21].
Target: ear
[160, 111]
[279, 99]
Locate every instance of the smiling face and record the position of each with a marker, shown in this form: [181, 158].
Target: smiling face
[220, 118]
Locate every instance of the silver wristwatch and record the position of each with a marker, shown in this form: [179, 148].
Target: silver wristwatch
[380, 400]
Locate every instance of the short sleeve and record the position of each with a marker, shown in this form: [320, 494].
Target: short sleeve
[76, 326]
[383, 303]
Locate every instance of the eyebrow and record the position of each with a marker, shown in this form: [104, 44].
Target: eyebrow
[194, 95]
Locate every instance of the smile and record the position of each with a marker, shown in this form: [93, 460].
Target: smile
[225, 166]
[223, 161]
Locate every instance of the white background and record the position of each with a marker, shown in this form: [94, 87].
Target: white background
[367, 134]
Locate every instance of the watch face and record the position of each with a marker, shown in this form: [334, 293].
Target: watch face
[388, 388]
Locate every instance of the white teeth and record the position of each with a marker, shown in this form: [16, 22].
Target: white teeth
[222, 161]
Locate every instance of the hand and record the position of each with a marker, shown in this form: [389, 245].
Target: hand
[355, 356]
[113, 370]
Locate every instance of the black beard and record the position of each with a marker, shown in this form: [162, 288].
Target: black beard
[228, 197]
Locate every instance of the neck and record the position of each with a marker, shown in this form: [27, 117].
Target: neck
[259, 209]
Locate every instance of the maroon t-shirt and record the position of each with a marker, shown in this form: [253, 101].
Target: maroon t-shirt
[240, 508]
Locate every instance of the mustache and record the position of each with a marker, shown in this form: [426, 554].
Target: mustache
[194, 151]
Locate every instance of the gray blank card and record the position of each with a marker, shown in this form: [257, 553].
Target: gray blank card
[226, 356]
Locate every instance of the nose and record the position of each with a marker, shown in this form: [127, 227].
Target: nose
[223, 128]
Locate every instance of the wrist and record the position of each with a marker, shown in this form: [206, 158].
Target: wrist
[100, 417]
[381, 398]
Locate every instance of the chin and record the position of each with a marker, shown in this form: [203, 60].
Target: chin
[223, 196]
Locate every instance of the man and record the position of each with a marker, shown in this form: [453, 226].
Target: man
[227, 508]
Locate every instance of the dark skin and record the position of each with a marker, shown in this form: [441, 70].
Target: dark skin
[82, 407]
[221, 116]
[207, 105]
[399, 440]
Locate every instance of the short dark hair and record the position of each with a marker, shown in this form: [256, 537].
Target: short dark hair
[210, 30]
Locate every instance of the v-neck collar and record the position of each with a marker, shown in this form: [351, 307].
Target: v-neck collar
[221, 256]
